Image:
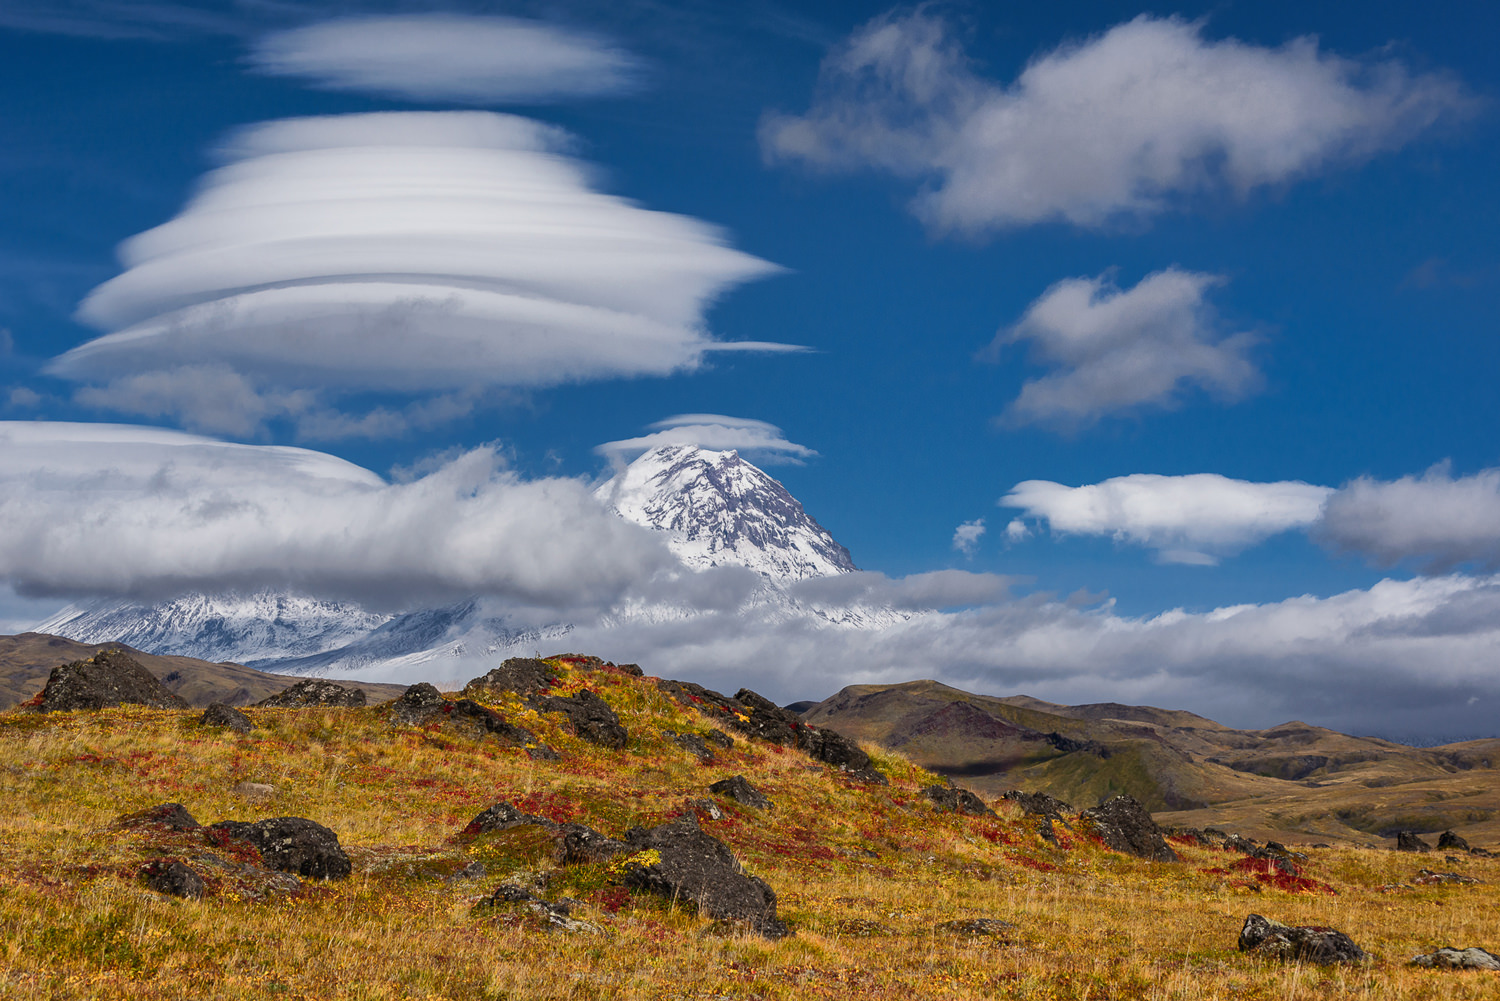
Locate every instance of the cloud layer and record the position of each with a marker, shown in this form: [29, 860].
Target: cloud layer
[119, 510]
[1128, 122]
[408, 252]
[756, 438]
[1435, 520]
[1194, 519]
[1118, 350]
[448, 57]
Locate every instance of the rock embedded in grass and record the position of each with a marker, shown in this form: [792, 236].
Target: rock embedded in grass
[697, 868]
[978, 928]
[173, 878]
[108, 679]
[1038, 804]
[739, 789]
[522, 675]
[952, 799]
[225, 717]
[1301, 943]
[289, 844]
[1450, 841]
[418, 704]
[590, 716]
[170, 816]
[1407, 841]
[1124, 825]
[315, 692]
[1472, 958]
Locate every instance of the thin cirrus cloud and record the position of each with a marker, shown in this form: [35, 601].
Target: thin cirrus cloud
[1436, 521]
[415, 252]
[128, 511]
[1115, 351]
[468, 59]
[1126, 123]
[1195, 519]
[717, 432]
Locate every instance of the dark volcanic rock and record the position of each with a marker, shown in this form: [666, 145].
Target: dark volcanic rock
[1305, 943]
[172, 816]
[1472, 958]
[1407, 841]
[556, 914]
[523, 675]
[592, 718]
[107, 679]
[692, 743]
[315, 692]
[172, 878]
[1125, 826]
[418, 704]
[1449, 841]
[577, 843]
[739, 789]
[698, 868]
[289, 844]
[956, 800]
[835, 749]
[226, 717]
[1038, 804]
[502, 817]
[487, 721]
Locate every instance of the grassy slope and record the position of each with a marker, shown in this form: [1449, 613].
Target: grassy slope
[845, 860]
[27, 659]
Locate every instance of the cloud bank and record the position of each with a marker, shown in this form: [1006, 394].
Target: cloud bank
[1129, 122]
[119, 510]
[1194, 519]
[760, 439]
[1118, 350]
[1435, 520]
[404, 252]
[468, 59]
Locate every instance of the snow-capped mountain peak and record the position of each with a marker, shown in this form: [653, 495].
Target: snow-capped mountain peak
[719, 509]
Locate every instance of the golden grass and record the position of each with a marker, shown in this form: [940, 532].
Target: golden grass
[864, 875]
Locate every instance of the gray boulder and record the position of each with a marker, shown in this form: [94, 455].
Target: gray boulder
[952, 799]
[523, 675]
[289, 844]
[699, 869]
[1303, 943]
[315, 692]
[418, 704]
[1472, 958]
[591, 717]
[1126, 826]
[225, 717]
[107, 679]
[1407, 841]
[172, 878]
[1450, 841]
[168, 816]
[1038, 804]
[739, 789]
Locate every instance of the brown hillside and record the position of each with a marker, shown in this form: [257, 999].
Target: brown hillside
[27, 659]
[1294, 781]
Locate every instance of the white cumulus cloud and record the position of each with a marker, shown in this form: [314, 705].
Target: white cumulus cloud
[470, 59]
[1118, 350]
[966, 536]
[1436, 520]
[1128, 122]
[410, 252]
[717, 432]
[120, 510]
[1194, 519]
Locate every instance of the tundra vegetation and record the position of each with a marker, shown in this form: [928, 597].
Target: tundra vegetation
[886, 892]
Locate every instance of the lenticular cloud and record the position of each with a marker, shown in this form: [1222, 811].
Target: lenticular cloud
[410, 252]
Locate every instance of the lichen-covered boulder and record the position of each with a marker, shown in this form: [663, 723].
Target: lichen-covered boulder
[1302, 943]
[591, 717]
[1038, 804]
[1472, 958]
[225, 717]
[107, 679]
[316, 692]
[1124, 825]
[173, 878]
[418, 704]
[690, 866]
[523, 675]
[167, 816]
[952, 799]
[739, 789]
[289, 844]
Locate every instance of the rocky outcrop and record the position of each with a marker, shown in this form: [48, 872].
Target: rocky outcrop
[952, 799]
[695, 868]
[173, 878]
[315, 692]
[422, 704]
[1038, 804]
[1450, 841]
[522, 675]
[739, 789]
[225, 717]
[1125, 826]
[418, 704]
[289, 844]
[554, 915]
[1303, 943]
[166, 816]
[590, 716]
[106, 680]
[1473, 958]
[1407, 841]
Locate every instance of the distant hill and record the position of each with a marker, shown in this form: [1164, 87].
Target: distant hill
[1290, 780]
[27, 659]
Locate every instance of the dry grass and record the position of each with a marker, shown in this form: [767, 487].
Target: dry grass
[864, 876]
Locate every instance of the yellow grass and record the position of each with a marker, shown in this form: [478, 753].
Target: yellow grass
[846, 861]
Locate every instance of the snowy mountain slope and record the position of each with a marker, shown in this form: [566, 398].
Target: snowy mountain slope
[717, 509]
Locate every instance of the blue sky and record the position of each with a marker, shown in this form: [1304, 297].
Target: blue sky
[1276, 251]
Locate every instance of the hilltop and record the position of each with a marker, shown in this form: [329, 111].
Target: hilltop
[493, 845]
